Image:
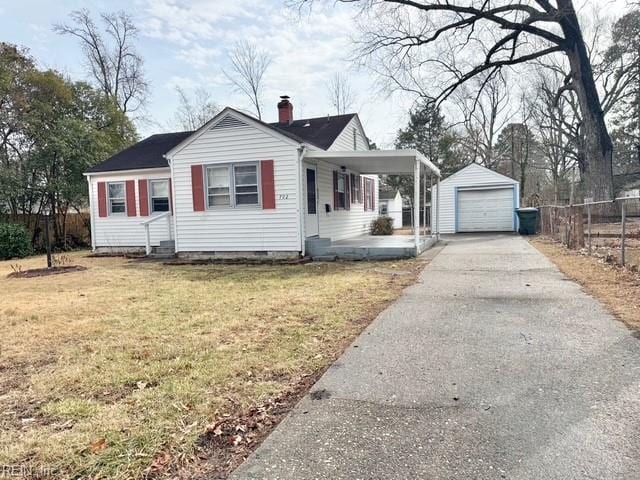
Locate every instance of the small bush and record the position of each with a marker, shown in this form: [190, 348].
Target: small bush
[14, 241]
[382, 226]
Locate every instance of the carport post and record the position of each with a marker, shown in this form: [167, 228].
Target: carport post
[624, 231]
[424, 204]
[416, 204]
[438, 210]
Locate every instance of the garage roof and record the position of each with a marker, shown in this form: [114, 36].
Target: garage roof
[498, 176]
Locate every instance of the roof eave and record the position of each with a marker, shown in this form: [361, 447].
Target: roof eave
[128, 170]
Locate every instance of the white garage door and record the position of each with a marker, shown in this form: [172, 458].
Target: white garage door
[488, 210]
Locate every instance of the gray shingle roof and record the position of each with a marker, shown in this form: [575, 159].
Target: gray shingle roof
[149, 153]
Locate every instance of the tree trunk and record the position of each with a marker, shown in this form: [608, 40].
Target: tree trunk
[598, 169]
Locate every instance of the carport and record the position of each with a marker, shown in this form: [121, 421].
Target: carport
[392, 162]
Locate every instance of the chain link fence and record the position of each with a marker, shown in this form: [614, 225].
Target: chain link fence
[609, 230]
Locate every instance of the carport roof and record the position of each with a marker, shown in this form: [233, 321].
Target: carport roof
[375, 162]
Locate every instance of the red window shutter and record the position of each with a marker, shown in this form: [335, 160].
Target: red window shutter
[143, 200]
[361, 193]
[197, 187]
[130, 192]
[347, 193]
[102, 199]
[268, 185]
[335, 190]
[170, 197]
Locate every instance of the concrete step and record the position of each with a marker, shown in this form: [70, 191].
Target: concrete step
[324, 258]
[163, 250]
[161, 256]
[316, 245]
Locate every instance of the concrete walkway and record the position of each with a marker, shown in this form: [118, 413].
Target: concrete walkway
[493, 366]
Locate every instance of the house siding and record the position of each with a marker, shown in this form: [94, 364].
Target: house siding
[340, 224]
[472, 176]
[238, 229]
[122, 231]
[344, 142]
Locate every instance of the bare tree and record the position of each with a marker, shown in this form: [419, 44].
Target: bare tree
[615, 74]
[419, 43]
[248, 67]
[486, 107]
[341, 95]
[554, 122]
[113, 62]
[194, 112]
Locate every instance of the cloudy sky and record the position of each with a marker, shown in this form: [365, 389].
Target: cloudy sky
[186, 43]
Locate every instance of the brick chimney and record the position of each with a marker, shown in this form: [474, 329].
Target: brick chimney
[285, 110]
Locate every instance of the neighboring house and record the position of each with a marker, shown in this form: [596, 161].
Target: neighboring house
[476, 199]
[391, 206]
[235, 186]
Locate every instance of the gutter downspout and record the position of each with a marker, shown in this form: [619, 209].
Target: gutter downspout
[172, 208]
[301, 151]
[416, 205]
[91, 215]
[438, 211]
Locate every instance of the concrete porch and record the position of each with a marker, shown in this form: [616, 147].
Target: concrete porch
[379, 162]
[367, 247]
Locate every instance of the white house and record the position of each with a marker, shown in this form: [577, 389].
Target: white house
[239, 186]
[391, 206]
[476, 199]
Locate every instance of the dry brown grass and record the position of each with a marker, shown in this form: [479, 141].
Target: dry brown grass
[617, 288]
[103, 370]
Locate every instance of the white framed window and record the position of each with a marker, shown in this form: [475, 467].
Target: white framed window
[342, 189]
[233, 185]
[355, 188]
[218, 186]
[245, 184]
[369, 194]
[117, 198]
[159, 195]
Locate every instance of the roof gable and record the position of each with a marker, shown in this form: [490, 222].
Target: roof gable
[355, 119]
[498, 176]
[228, 118]
[387, 194]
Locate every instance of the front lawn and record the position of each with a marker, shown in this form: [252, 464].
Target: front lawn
[128, 366]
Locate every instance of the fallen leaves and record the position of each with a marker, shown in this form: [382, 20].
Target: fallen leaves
[98, 445]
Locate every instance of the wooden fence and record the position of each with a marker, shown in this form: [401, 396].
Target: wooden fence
[78, 229]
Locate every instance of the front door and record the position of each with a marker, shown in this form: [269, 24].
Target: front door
[311, 204]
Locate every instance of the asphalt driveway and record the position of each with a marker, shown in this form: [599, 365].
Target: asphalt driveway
[493, 366]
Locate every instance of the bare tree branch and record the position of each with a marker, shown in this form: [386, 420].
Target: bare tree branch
[340, 93]
[248, 67]
[193, 112]
[115, 66]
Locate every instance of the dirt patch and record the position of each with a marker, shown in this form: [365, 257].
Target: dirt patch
[44, 272]
[239, 261]
[616, 287]
[231, 439]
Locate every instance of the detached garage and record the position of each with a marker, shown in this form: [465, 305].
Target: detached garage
[476, 199]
